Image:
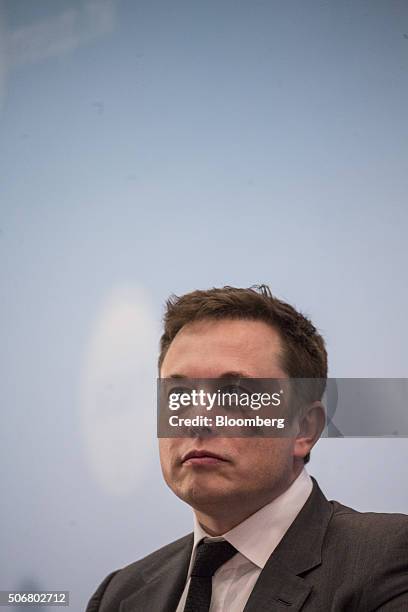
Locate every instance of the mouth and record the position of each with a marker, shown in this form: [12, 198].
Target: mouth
[202, 457]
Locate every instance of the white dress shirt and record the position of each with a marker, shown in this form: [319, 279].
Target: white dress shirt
[255, 539]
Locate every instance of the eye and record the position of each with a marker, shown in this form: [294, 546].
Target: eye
[179, 398]
[234, 388]
[235, 397]
[178, 391]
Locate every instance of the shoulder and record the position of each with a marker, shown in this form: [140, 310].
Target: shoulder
[371, 526]
[370, 550]
[123, 582]
[157, 558]
[346, 529]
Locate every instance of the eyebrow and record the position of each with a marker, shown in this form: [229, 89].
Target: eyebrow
[230, 374]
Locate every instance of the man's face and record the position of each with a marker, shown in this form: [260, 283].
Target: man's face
[252, 468]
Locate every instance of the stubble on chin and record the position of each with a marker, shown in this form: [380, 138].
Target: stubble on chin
[209, 499]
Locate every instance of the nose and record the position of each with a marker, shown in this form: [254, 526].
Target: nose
[201, 431]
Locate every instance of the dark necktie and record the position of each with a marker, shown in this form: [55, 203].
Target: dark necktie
[209, 557]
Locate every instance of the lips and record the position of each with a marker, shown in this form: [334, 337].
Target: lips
[202, 457]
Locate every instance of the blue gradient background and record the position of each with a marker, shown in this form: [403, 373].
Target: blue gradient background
[156, 147]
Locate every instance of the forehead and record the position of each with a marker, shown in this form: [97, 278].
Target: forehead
[210, 349]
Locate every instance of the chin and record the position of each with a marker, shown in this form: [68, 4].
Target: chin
[205, 497]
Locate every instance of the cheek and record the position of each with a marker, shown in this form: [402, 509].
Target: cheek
[169, 451]
[165, 454]
[264, 456]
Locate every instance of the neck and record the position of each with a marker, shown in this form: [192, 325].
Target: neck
[218, 523]
[218, 518]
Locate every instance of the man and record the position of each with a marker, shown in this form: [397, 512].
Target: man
[265, 537]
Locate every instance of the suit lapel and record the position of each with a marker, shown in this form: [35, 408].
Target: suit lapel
[161, 587]
[277, 589]
[279, 586]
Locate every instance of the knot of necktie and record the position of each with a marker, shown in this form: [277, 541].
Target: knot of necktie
[210, 556]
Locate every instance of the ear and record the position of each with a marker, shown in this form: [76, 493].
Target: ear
[311, 425]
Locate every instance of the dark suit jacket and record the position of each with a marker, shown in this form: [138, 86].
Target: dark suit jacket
[331, 559]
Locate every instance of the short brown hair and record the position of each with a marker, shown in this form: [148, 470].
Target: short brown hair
[304, 352]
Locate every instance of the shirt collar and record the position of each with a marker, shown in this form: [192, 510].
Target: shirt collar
[258, 536]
